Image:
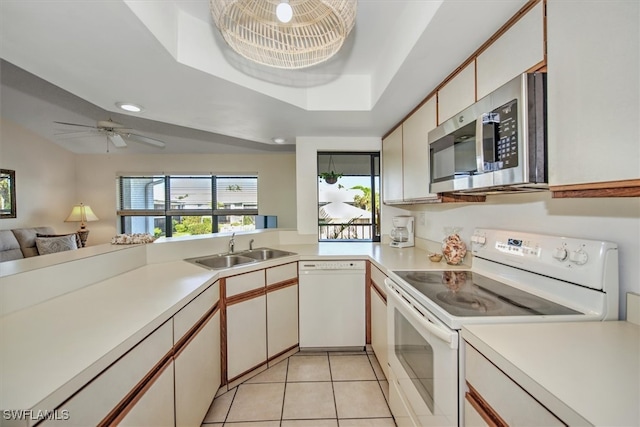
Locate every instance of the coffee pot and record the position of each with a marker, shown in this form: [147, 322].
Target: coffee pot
[402, 234]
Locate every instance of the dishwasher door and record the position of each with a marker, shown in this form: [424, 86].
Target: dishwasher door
[332, 307]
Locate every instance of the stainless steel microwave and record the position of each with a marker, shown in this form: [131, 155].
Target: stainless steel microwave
[498, 144]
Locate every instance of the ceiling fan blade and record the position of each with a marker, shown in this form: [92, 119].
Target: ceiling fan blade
[75, 124]
[116, 140]
[145, 139]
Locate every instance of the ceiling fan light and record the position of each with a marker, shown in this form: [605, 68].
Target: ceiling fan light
[284, 12]
[255, 32]
[127, 106]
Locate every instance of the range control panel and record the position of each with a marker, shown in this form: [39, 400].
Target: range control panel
[576, 260]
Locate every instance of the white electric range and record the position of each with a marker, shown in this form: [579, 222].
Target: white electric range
[515, 277]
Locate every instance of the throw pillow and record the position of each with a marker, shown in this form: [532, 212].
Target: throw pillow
[77, 236]
[50, 245]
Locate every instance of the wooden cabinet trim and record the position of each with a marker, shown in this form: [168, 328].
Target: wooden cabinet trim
[625, 188]
[378, 291]
[126, 405]
[367, 303]
[510, 23]
[183, 342]
[129, 401]
[488, 414]
[245, 296]
[281, 285]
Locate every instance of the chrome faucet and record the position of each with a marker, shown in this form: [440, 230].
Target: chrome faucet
[251, 244]
[232, 242]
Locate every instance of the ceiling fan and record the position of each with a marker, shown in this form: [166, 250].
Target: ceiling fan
[117, 133]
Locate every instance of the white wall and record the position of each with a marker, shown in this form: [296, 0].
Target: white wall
[612, 219]
[307, 178]
[97, 181]
[45, 179]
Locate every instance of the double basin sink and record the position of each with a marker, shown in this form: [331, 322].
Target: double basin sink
[228, 260]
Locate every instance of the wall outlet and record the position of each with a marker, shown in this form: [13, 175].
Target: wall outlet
[422, 218]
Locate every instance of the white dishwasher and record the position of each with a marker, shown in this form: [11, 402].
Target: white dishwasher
[331, 297]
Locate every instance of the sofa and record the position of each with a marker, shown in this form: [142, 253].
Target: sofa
[21, 243]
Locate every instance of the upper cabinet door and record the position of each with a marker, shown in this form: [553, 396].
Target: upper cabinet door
[392, 167]
[415, 148]
[593, 92]
[458, 93]
[518, 50]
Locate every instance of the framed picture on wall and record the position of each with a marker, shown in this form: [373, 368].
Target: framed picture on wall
[7, 193]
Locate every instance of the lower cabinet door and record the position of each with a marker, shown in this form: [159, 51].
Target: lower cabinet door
[379, 331]
[282, 320]
[246, 335]
[155, 407]
[197, 374]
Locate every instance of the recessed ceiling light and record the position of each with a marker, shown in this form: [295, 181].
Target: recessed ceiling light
[279, 140]
[127, 106]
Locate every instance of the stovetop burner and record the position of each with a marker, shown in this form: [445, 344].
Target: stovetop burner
[467, 293]
[469, 301]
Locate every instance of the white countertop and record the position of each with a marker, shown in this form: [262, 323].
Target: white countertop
[583, 372]
[51, 349]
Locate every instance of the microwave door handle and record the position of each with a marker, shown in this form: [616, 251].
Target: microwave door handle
[480, 144]
[440, 332]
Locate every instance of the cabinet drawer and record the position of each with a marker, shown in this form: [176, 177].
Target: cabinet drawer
[282, 273]
[192, 312]
[245, 282]
[94, 402]
[511, 402]
[377, 277]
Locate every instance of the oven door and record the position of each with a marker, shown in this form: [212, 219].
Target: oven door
[423, 361]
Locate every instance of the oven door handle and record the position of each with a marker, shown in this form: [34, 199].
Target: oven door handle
[441, 332]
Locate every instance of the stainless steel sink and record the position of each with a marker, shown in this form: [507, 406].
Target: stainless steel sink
[263, 254]
[216, 262]
[228, 260]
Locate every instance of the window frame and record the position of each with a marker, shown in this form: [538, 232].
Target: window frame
[169, 212]
[374, 165]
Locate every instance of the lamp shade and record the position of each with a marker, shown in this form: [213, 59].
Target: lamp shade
[81, 213]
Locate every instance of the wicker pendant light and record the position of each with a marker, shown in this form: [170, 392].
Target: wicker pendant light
[314, 34]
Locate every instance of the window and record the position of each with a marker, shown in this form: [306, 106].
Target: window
[349, 207]
[177, 205]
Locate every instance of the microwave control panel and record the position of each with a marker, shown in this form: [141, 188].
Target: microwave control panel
[500, 130]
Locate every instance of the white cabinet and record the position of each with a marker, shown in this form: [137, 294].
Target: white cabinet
[405, 157]
[155, 407]
[282, 308]
[415, 152]
[282, 320]
[246, 336]
[519, 49]
[262, 317]
[493, 392]
[458, 93]
[98, 398]
[379, 318]
[246, 328]
[593, 92]
[197, 374]
[392, 167]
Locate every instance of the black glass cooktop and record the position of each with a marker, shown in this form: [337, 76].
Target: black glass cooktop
[465, 293]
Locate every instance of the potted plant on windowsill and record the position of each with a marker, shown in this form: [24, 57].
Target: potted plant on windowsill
[330, 177]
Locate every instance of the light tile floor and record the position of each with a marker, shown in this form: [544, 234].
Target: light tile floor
[332, 389]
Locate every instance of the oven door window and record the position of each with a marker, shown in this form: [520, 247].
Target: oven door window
[416, 357]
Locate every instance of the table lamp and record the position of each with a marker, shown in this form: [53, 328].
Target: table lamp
[82, 213]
